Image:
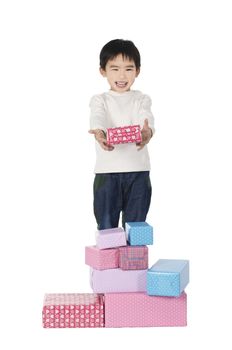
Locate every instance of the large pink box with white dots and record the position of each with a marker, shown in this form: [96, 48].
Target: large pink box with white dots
[141, 310]
[123, 296]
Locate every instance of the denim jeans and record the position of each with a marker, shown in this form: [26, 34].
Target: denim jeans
[126, 193]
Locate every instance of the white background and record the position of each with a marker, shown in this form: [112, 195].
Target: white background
[49, 71]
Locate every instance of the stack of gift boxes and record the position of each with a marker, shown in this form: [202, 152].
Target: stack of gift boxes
[125, 292]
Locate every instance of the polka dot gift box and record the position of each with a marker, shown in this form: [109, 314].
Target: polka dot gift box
[141, 310]
[139, 233]
[102, 259]
[168, 277]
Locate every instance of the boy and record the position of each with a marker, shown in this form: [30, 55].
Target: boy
[122, 182]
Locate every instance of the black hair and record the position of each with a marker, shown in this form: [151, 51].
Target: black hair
[119, 46]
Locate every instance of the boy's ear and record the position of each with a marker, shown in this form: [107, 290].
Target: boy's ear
[137, 72]
[102, 71]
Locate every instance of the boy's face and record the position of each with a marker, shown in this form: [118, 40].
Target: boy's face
[120, 73]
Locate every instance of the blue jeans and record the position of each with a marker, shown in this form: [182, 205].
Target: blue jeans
[129, 193]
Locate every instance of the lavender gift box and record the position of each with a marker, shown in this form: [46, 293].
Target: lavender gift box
[110, 238]
[117, 280]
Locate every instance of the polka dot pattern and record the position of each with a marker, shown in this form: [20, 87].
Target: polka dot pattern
[168, 277]
[139, 233]
[163, 284]
[141, 310]
[102, 259]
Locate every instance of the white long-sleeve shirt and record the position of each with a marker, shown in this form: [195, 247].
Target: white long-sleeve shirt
[112, 109]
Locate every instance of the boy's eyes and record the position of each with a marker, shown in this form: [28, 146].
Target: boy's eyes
[128, 69]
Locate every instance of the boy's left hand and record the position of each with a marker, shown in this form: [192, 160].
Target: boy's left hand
[146, 133]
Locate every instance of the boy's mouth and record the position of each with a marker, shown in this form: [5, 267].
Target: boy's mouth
[121, 84]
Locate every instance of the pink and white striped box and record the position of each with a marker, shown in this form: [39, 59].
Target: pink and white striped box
[117, 280]
[101, 259]
[133, 257]
[125, 134]
[110, 238]
[73, 310]
[141, 310]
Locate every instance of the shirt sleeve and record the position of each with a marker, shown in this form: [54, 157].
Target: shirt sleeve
[97, 113]
[146, 113]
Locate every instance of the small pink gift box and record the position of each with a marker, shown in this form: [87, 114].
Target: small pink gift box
[142, 310]
[101, 259]
[133, 257]
[125, 134]
[73, 310]
[110, 238]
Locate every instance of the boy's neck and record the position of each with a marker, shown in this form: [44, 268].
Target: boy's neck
[120, 93]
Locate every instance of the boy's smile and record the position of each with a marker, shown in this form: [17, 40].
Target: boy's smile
[120, 73]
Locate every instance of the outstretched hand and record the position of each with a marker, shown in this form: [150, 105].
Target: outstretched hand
[146, 133]
[100, 136]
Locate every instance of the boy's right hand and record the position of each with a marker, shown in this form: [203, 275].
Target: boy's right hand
[100, 136]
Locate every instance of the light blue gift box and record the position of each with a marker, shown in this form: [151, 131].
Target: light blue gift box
[168, 277]
[139, 233]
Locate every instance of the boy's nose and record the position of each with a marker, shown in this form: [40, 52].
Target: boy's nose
[122, 74]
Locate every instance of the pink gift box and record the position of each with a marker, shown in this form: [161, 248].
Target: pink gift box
[110, 238]
[101, 259]
[125, 134]
[117, 280]
[141, 310]
[133, 257]
[73, 310]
